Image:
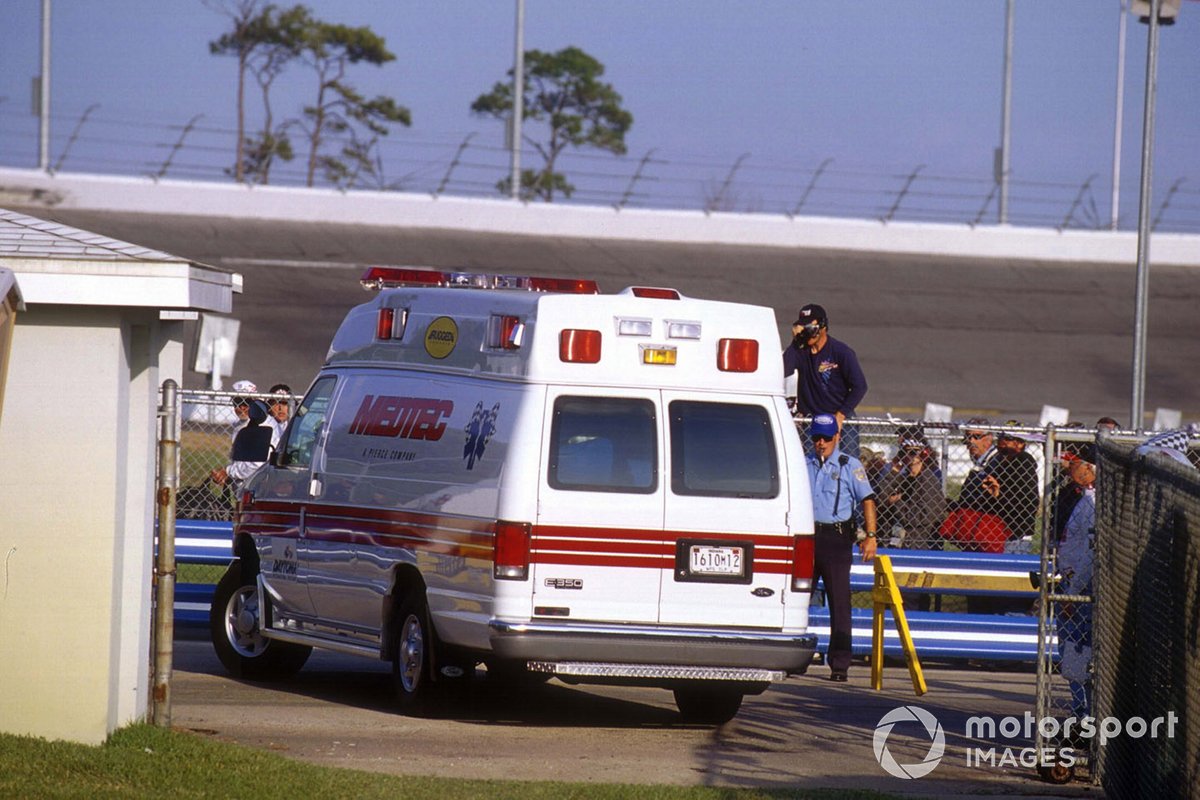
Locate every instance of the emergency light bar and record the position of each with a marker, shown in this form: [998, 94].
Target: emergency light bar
[394, 277]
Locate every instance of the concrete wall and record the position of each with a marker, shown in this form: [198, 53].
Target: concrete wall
[77, 449]
[136, 195]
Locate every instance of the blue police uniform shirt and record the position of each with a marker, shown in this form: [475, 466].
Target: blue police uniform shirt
[838, 486]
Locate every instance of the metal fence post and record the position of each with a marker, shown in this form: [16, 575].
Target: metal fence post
[714, 204]
[162, 171]
[1083, 190]
[74, 135]
[453, 163]
[164, 565]
[903, 192]
[808, 189]
[637, 175]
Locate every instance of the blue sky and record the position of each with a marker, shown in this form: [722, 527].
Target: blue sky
[879, 86]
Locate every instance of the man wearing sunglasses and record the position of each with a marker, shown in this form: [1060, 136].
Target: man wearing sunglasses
[839, 487]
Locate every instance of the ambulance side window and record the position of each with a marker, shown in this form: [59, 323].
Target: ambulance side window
[603, 444]
[305, 429]
[722, 450]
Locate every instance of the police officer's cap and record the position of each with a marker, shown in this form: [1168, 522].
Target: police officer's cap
[823, 425]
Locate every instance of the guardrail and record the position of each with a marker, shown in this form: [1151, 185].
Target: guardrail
[937, 634]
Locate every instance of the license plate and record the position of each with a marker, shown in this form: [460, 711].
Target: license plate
[705, 560]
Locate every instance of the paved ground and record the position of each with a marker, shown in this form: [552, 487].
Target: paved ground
[804, 733]
[995, 336]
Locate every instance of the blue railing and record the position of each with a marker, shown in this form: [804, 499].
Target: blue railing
[936, 634]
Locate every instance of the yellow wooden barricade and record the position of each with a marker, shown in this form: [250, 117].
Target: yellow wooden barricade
[885, 595]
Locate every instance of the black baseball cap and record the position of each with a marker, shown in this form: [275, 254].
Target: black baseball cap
[812, 313]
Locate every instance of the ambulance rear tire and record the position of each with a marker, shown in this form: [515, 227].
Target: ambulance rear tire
[234, 621]
[1057, 772]
[708, 705]
[412, 655]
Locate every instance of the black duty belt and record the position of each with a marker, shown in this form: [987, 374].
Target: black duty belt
[842, 528]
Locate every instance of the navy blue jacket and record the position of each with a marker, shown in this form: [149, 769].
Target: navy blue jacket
[829, 380]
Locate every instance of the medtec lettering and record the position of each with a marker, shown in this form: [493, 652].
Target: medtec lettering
[406, 417]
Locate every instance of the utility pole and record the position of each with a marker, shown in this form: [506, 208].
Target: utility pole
[1006, 115]
[1116, 166]
[518, 106]
[1137, 407]
[44, 93]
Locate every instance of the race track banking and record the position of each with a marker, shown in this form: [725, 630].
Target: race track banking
[1001, 337]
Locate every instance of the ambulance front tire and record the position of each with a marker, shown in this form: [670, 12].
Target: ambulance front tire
[707, 705]
[234, 625]
[412, 654]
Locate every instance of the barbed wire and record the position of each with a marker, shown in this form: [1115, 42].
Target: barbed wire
[465, 164]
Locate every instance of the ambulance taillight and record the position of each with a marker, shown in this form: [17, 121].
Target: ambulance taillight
[579, 346]
[737, 355]
[802, 563]
[511, 557]
[391, 323]
[505, 332]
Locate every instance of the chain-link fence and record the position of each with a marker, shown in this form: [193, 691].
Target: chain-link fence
[974, 486]
[208, 422]
[1147, 637]
[1065, 606]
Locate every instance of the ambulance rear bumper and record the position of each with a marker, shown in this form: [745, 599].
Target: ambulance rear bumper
[634, 644]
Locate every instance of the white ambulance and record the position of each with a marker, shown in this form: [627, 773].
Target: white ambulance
[524, 473]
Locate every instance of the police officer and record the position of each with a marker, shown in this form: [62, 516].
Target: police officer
[839, 486]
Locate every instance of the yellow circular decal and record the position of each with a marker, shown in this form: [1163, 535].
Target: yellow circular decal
[440, 337]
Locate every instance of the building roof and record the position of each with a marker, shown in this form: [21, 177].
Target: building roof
[58, 264]
[29, 237]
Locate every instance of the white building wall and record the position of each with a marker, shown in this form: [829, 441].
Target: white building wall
[76, 518]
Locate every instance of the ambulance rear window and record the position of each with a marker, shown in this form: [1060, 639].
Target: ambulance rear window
[603, 444]
[722, 450]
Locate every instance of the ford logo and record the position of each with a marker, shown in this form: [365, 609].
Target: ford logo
[763, 591]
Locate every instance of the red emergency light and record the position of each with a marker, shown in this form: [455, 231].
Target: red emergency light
[654, 292]
[737, 355]
[579, 346]
[395, 277]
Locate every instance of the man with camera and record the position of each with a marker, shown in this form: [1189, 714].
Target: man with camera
[829, 379]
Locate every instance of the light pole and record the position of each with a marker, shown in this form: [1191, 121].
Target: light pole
[44, 93]
[1005, 115]
[518, 93]
[1153, 10]
[1116, 165]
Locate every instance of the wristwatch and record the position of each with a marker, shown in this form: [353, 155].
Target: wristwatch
[870, 534]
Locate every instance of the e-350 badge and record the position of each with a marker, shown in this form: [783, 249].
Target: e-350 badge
[564, 583]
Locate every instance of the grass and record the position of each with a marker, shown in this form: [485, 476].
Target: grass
[147, 762]
[201, 452]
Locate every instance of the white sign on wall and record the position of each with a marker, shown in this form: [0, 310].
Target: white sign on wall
[216, 346]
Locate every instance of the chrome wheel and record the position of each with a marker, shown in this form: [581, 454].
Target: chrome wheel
[411, 653]
[241, 623]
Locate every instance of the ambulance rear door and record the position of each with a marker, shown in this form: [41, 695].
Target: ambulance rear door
[597, 552]
[726, 511]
